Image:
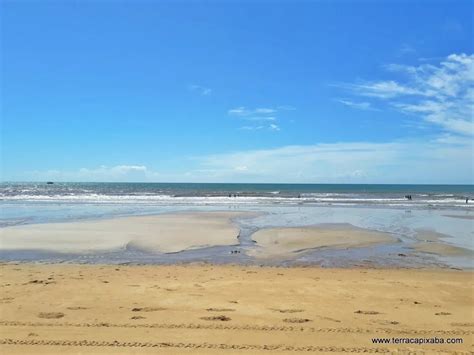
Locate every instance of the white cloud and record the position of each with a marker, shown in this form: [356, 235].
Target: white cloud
[258, 115]
[443, 94]
[259, 118]
[242, 111]
[252, 128]
[200, 89]
[265, 111]
[365, 106]
[384, 89]
[238, 111]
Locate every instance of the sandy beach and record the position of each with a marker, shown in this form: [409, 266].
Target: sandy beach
[284, 242]
[206, 309]
[52, 308]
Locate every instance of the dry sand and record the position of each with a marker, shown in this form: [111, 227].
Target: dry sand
[284, 242]
[93, 309]
[162, 233]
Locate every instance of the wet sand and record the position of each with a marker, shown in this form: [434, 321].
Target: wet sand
[287, 242]
[471, 217]
[431, 242]
[442, 249]
[160, 233]
[206, 309]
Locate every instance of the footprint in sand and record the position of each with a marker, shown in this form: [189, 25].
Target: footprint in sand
[137, 317]
[50, 315]
[220, 309]
[296, 320]
[443, 314]
[367, 312]
[148, 309]
[462, 324]
[221, 318]
[6, 300]
[287, 310]
[386, 322]
[76, 308]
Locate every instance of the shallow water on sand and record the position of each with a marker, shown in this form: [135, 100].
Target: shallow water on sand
[404, 224]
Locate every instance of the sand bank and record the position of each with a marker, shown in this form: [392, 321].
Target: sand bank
[94, 309]
[160, 233]
[432, 242]
[442, 249]
[282, 242]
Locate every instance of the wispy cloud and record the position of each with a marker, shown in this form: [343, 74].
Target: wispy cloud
[252, 128]
[258, 118]
[365, 106]
[259, 115]
[245, 112]
[443, 94]
[201, 90]
[439, 160]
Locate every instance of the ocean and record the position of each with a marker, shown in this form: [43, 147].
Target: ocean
[197, 193]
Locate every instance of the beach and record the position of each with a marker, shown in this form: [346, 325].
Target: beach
[234, 277]
[209, 309]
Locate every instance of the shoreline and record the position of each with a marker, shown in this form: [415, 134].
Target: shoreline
[229, 309]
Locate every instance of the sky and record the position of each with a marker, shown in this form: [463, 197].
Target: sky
[237, 91]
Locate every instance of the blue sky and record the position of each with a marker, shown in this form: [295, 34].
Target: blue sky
[238, 91]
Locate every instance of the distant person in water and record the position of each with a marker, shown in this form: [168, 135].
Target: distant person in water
[467, 199]
[408, 197]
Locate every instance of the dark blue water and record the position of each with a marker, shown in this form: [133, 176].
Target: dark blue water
[214, 189]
